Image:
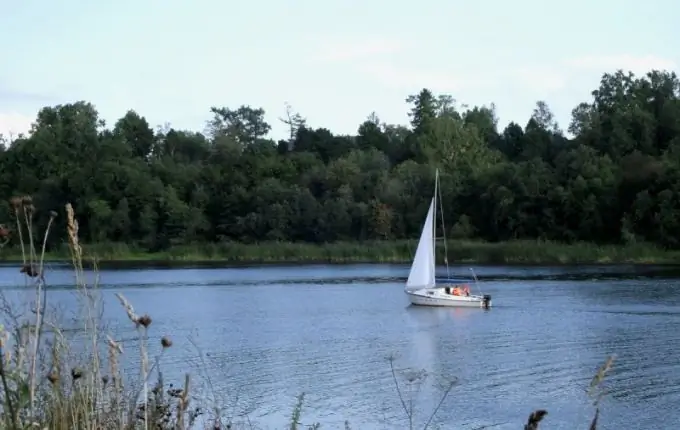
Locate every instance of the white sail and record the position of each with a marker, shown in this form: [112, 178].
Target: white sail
[420, 286]
[422, 269]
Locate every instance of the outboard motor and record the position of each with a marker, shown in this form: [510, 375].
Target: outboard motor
[486, 301]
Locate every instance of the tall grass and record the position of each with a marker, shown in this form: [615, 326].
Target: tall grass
[396, 251]
[52, 380]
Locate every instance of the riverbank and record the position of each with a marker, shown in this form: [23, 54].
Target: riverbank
[463, 252]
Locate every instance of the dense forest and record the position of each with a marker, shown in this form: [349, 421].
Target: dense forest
[617, 180]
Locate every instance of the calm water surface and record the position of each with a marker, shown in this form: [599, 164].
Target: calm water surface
[270, 333]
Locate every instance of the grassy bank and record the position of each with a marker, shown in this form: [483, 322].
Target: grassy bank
[50, 380]
[466, 252]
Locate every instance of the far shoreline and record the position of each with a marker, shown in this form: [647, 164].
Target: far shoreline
[229, 264]
[519, 253]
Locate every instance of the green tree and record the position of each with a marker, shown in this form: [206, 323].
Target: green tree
[615, 179]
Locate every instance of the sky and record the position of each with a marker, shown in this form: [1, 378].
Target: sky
[333, 61]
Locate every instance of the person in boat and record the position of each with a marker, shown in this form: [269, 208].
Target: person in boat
[460, 291]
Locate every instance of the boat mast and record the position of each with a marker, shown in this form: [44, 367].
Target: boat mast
[434, 223]
[441, 211]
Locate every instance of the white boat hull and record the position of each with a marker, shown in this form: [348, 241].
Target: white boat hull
[439, 297]
[421, 286]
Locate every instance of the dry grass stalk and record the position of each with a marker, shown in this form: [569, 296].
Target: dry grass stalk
[595, 388]
[24, 212]
[599, 377]
[115, 349]
[142, 324]
[73, 240]
[6, 388]
[16, 204]
[183, 403]
[414, 379]
[65, 392]
[41, 295]
[534, 419]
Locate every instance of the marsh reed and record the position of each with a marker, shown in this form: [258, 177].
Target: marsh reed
[48, 383]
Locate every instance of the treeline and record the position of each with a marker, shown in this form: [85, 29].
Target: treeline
[616, 181]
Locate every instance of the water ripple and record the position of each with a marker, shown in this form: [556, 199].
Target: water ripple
[268, 334]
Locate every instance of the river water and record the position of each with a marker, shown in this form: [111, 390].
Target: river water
[269, 333]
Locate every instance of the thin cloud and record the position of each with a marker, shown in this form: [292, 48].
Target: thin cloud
[8, 93]
[553, 78]
[359, 50]
[636, 64]
[12, 124]
[395, 77]
[539, 78]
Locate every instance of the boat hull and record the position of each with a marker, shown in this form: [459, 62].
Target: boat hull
[437, 297]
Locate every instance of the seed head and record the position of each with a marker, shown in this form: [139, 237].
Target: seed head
[15, 202]
[76, 373]
[166, 342]
[53, 377]
[29, 270]
[144, 320]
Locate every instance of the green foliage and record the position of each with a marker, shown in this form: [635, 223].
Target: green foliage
[616, 181]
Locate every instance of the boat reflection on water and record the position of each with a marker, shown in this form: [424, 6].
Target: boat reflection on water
[428, 317]
[439, 335]
[429, 325]
[431, 332]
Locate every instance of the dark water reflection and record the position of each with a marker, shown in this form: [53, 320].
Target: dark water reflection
[270, 333]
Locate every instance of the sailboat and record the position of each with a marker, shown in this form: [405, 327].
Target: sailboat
[421, 286]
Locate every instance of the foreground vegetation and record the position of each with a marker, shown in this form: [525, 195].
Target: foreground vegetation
[50, 379]
[617, 181]
[460, 251]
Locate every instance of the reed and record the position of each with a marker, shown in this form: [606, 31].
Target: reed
[51, 380]
[397, 251]
[58, 381]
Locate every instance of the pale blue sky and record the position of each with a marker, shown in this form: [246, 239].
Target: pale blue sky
[334, 61]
